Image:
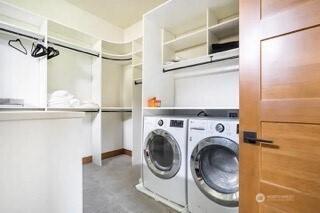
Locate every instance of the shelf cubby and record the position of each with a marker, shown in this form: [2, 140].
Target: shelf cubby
[24, 80]
[189, 40]
[73, 69]
[185, 39]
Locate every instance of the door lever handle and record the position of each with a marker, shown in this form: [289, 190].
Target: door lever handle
[251, 137]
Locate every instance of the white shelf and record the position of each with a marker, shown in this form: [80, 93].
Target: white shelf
[137, 66]
[189, 40]
[71, 35]
[17, 108]
[72, 45]
[116, 48]
[17, 29]
[117, 56]
[116, 109]
[226, 28]
[73, 109]
[138, 53]
[188, 108]
[202, 59]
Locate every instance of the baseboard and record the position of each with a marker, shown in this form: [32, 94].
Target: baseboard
[87, 160]
[111, 154]
[127, 152]
[106, 155]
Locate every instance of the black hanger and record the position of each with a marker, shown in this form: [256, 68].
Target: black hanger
[38, 50]
[24, 50]
[52, 52]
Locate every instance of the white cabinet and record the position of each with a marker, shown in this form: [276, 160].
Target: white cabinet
[40, 160]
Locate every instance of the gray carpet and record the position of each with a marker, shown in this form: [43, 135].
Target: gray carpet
[110, 189]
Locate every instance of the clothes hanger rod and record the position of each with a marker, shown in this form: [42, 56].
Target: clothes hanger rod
[73, 49]
[116, 111]
[137, 82]
[21, 34]
[117, 59]
[203, 63]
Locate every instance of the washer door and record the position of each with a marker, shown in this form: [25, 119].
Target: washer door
[215, 169]
[162, 154]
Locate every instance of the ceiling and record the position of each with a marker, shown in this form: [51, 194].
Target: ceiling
[122, 13]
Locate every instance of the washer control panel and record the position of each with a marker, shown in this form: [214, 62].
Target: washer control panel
[176, 123]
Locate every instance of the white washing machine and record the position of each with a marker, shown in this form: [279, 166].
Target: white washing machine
[164, 159]
[213, 166]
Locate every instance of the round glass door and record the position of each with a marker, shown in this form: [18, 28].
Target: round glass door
[215, 169]
[162, 154]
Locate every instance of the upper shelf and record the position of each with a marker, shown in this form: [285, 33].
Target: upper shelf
[19, 16]
[10, 28]
[225, 28]
[21, 21]
[70, 35]
[216, 57]
[72, 39]
[192, 39]
[117, 56]
[70, 45]
[117, 48]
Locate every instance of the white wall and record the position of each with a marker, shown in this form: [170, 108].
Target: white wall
[65, 13]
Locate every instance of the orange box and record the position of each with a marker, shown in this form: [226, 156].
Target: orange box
[152, 102]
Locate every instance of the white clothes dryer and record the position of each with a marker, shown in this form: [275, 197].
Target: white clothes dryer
[213, 166]
[164, 158]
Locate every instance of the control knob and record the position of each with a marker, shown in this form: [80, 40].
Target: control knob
[219, 128]
[160, 122]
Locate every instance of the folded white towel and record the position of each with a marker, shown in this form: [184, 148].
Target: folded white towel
[87, 104]
[60, 93]
[64, 99]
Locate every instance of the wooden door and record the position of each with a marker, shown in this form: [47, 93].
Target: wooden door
[280, 101]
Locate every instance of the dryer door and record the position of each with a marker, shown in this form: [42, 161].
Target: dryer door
[215, 169]
[162, 154]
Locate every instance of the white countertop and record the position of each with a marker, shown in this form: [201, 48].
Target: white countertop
[38, 115]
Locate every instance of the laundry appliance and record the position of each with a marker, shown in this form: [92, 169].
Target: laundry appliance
[213, 165]
[164, 159]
